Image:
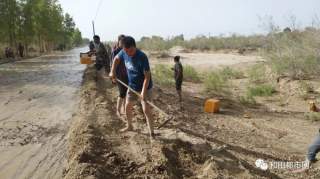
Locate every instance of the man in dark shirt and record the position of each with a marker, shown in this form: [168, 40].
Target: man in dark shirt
[6, 51]
[178, 76]
[102, 58]
[9, 52]
[139, 78]
[21, 50]
[92, 50]
[121, 74]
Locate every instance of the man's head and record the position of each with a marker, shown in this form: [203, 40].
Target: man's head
[120, 40]
[129, 46]
[91, 46]
[96, 39]
[176, 59]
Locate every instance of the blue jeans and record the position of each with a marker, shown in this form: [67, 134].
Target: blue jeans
[314, 149]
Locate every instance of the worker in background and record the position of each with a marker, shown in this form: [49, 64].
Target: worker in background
[109, 53]
[6, 52]
[178, 77]
[121, 74]
[139, 78]
[9, 52]
[102, 59]
[21, 50]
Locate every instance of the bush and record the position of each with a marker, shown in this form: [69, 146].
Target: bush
[219, 80]
[163, 75]
[216, 82]
[295, 54]
[306, 87]
[247, 100]
[217, 43]
[257, 73]
[297, 68]
[313, 116]
[190, 74]
[230, 73]
[157, 43]
[261, 90]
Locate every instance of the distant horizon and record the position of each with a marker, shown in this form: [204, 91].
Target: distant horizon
[145, 18]
[209, 35]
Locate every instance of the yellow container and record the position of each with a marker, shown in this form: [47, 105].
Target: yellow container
[212, 106]
[85, 59]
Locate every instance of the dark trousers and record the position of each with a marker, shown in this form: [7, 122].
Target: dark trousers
[314, 149]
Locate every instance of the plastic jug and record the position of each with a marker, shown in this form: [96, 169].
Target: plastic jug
[212, 106]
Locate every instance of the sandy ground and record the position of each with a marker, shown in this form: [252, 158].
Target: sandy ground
[49, 130]
[207, 61]
[37, 99]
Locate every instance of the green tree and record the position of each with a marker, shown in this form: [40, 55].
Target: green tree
[69, 30]
[37, 22]
[9, 18]
[77, 38]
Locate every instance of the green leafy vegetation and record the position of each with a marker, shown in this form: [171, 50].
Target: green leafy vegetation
[190, 74]
[313, 116]
[261, 90]
[214, 82]
[230, 73]
[163, 75]
[247, 100]
[37, 24]
[218, 80]
[295, 54]
[156, 43]
[257, 73]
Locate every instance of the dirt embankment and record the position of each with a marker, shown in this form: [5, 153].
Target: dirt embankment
[194, 145]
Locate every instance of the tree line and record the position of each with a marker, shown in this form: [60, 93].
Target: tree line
[37, 23]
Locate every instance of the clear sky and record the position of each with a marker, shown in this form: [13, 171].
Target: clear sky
[189, 17]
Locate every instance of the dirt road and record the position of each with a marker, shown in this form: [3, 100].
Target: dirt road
[37, 100]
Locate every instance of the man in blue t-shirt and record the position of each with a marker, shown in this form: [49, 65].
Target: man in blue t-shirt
[139, 78]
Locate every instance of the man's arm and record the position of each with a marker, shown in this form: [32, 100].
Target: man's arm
[114, 66]
[147, 77]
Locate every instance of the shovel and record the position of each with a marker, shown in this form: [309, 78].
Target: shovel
[167, 116]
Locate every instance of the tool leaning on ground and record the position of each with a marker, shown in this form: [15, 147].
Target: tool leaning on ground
[168, 117]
